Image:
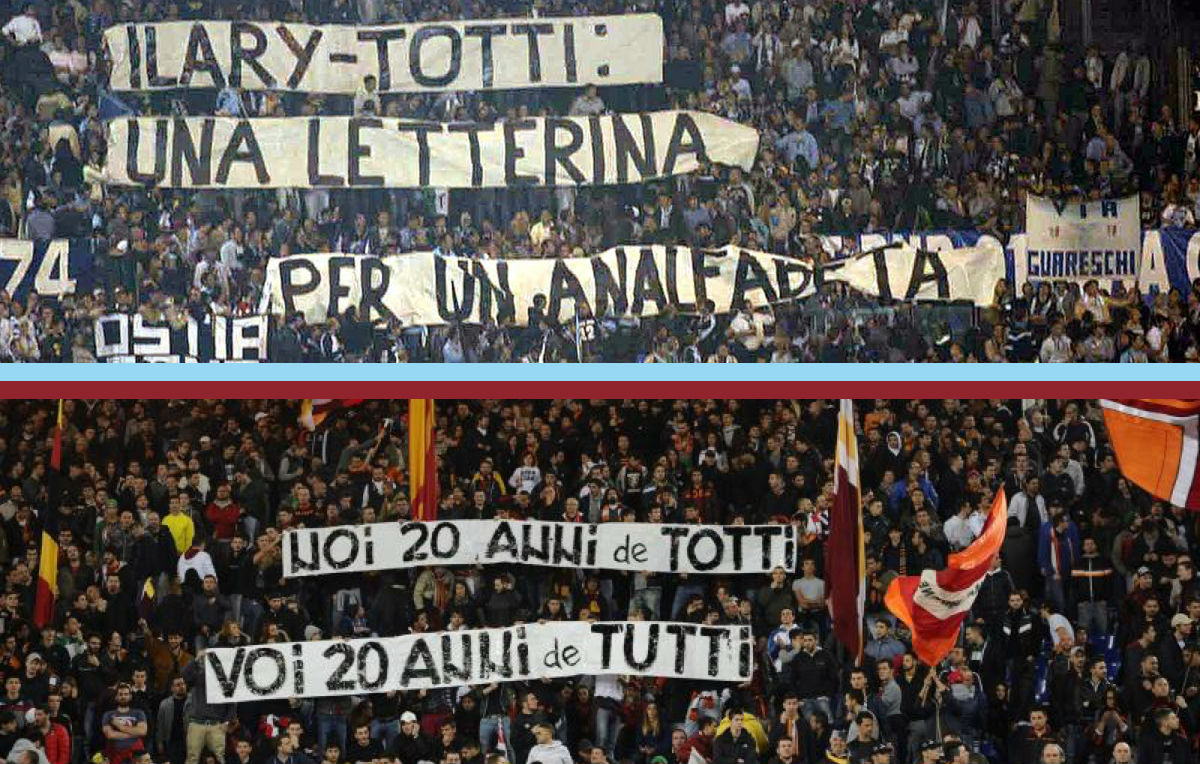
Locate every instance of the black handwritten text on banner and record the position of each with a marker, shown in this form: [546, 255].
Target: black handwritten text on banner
[427, 289]
[606, 546]
[1079, 241]
[368, 152]
[478, 656]
[429, 57]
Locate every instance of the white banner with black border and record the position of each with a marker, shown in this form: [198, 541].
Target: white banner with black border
[388, 152]
[478, 656]
[1081, 240]
[654, 547]
[426, 289]
[490, 54]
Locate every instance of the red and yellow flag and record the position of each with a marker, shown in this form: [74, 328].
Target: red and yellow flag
[422, 460]
[934, 604]
[846, 557]
[47, 583]
[56, 449]
[1157, 445]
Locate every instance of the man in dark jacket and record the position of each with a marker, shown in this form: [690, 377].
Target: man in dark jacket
[1170, 650]
[813, 675]
[1022, 637]
[523, 739]
[1164, 743]
[735, 745]
[410, 746]
[1029, 739]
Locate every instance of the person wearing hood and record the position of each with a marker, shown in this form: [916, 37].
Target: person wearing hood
[546, 749]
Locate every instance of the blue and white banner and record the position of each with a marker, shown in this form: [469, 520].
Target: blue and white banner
[1081, 241]
[49, 268]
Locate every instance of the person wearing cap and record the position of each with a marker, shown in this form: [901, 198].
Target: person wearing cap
[35, 684]
[410, 746]
[931, 752]
[1170, 650]
[836, 752]
[881, 753]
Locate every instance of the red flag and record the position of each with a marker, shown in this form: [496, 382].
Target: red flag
[422, 460]
[846, 556]
[934, 604]
[1157, 446]
[56, 450]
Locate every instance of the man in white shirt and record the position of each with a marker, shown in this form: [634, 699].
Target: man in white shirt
[964, 527]
[1029, 500]
[233, 249]
[210, 262]
[735, 10]
[24, 29]
[1057, 347]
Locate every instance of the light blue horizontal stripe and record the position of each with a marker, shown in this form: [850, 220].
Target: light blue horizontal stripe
[649, 372]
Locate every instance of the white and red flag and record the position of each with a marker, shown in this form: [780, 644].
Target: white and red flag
[934, 604]
[1157, 445]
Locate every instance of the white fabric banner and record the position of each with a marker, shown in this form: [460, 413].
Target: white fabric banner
[369, 152]
[478, 656]
[427, 57]
[123, 337]
[427, 289]
[900, 272]
[1080, 241]
[653, 547]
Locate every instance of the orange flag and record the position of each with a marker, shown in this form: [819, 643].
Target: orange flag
[422, 460]
[934, 604]
[1157, 446]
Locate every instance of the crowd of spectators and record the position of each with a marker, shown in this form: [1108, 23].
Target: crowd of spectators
[875, 116]
[1079, 649]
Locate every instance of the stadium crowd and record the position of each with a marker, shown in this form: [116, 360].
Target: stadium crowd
[1080, 648]
[875, 116]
